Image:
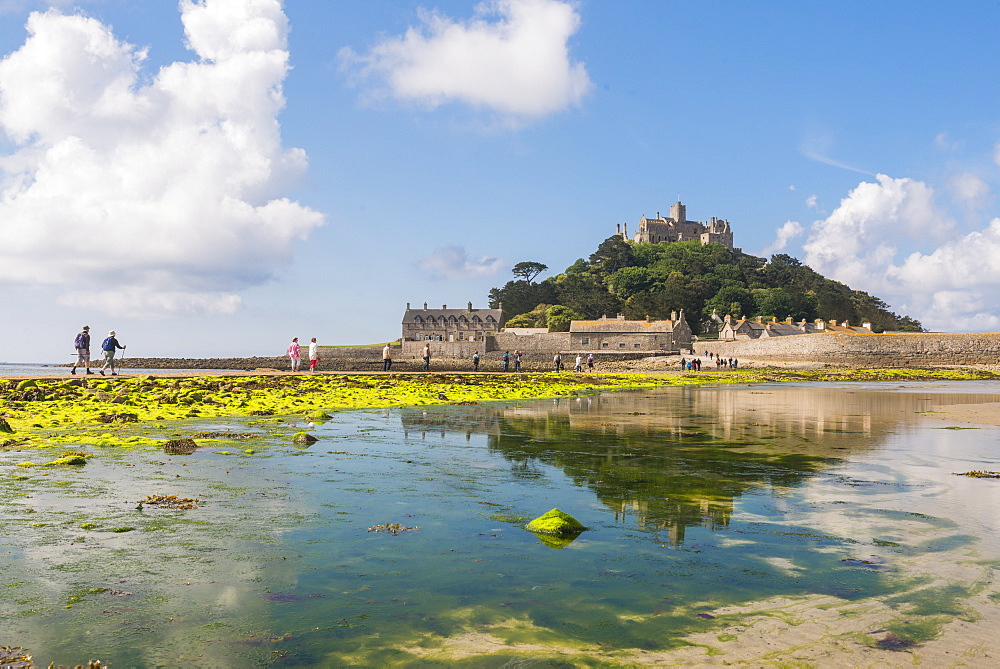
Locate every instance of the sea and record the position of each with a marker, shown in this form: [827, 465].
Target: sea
[50, 369]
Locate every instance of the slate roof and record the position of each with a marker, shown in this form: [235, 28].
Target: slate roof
[615, 325]
[410, 315]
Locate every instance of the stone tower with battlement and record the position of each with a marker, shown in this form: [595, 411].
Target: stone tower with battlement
[676, 228]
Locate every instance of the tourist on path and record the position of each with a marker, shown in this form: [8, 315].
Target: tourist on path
[517, 361]
[557, 361]
[313, 355]
[590, 361]
[295, 354]
[578, 367]
[506, 361]
[475, 361]
[109, 346]
[386, 358]
[82, 345]
[427, 357]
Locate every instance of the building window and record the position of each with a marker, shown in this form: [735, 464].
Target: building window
[621, 345]
[635, 345]
[585, 340]
[604, 345]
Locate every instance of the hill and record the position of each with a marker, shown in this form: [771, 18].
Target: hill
[641, 279]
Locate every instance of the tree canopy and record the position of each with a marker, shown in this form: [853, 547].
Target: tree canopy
[640, 280]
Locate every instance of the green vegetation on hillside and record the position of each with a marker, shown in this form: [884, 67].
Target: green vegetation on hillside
[641, 280]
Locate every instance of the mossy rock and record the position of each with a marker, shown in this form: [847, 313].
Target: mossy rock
[303, 438]
[26, 384]
[555, 523]
[319, 415]
[180, 447]
[5, 426]
[69, 460]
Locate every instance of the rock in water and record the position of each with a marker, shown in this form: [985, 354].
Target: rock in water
[180, 447]
[303, 438]
[557, 523]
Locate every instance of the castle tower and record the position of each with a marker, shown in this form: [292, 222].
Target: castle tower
[678, 212]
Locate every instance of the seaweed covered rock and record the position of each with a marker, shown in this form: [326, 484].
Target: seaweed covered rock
[5, 426]
[303, 438]
[319, 415]
[180, 447]
[72, 460]
[556, 523]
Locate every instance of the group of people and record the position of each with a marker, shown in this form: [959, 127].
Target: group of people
[110, 346]
[694, 364]
[557, 362]
[295, 354]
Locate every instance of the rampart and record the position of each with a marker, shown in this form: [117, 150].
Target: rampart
[924, 349]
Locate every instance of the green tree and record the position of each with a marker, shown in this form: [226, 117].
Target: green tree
[557, 318]
[518, 297]
[528, 270]
[612, 254]
[536, 318]
[628, 281]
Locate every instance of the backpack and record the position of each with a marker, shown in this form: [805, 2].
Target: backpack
[108, 344]
[80, 341]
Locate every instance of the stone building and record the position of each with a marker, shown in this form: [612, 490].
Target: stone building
[676, 228]
[446, 324]
[619, 335]
[735, 329]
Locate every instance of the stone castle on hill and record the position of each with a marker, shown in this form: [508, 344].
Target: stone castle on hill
[676, 228]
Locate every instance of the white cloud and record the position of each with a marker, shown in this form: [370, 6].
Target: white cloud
[786, 232]
[969, 190]
[816, 146]
[951, 285]
[517, 65]
[167, 192]
[811, 201]
[453, 262]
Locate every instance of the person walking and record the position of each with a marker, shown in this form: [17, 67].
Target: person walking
[313, 355]
[475, 361]
[110, 345]
[557, 361]
[578, 366]
[386, 358]
[82, 346]
[590, 361]
[517, 361]
[506, 361]
[295, 354]
[427, 357]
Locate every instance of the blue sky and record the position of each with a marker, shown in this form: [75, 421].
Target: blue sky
[211, 178]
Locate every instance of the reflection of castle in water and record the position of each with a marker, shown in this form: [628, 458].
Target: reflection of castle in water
[677, 458]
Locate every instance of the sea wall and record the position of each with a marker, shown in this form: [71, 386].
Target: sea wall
[874, 350]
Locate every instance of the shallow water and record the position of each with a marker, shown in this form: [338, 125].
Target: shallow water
[696, 499]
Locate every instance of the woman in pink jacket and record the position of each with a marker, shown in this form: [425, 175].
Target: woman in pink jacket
[295, 354]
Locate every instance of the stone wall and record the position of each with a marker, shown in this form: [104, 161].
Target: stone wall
[875, 350]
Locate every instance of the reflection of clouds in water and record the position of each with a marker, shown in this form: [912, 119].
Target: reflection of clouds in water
[184, 564]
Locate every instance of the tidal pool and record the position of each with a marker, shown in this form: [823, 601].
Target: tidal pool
[763, 524]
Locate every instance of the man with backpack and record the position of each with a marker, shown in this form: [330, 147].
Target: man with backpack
[82, 346]
[109, 347]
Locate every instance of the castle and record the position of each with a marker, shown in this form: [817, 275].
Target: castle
[676, 228]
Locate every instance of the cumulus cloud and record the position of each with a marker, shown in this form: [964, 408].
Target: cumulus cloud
[512, 58]
[453, 262]
[969, 190]
[165, 190]
[949, 284]
[811, 201]
[786, 232]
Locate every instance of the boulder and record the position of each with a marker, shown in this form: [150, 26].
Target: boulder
[180, 447]
[303, 438]
[555, 523]
[5, 426]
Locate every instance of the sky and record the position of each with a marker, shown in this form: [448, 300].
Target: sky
[210, 178]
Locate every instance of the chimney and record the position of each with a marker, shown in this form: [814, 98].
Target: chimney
[788, 321]
[844, 325]
[470, 305]
[621, 317]
[867, 326]
[407, 306]
[647, 318]
[820, 324]
[444, 306]
[425, 306]
[618, 228]
[673, 315]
